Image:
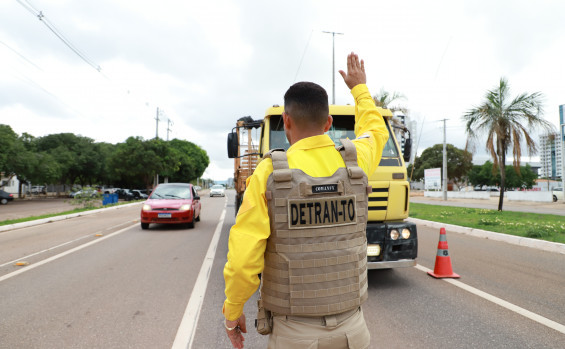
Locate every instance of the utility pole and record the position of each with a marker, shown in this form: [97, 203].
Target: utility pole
[333, 63]
[444, 172]
[169, 124]
[157, 124]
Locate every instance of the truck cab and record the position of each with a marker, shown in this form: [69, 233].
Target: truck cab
[391, 240]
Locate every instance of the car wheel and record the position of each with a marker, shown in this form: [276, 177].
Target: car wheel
[554, 198]
[3, 201]
[144, 225]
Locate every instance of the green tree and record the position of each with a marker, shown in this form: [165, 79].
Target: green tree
[193, 161]
[137, 161]
[507, 124]
[483, 175]
[459, 162]
[8, 138]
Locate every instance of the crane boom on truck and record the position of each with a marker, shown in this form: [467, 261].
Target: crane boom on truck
[391, 240]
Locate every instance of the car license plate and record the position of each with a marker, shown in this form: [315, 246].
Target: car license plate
[164, 215]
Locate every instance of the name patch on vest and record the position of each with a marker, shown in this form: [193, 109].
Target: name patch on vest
[324, 188]
[320, 212]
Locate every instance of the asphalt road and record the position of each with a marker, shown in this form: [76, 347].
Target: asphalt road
[128, 289]
[99, 281]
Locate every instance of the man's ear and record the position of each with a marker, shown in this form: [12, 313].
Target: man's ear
[328, 123]
[286, 121]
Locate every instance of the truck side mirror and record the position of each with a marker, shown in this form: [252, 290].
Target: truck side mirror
[407, 149]
[233, 144]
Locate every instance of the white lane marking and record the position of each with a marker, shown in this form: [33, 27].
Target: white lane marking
[187, 328]
[61, 245]
[526, 313]
[63, 254]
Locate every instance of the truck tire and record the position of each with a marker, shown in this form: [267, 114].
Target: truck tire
[238, 200]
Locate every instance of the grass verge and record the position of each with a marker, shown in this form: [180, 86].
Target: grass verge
[532, 225]
[76, 210]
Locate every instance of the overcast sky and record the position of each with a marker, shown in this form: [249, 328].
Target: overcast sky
[204, 64]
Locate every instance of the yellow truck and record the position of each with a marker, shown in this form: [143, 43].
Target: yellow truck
[391, 240]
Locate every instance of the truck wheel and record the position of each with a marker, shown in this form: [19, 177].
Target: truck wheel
[554, 198]
[144, 226]
[238, 200]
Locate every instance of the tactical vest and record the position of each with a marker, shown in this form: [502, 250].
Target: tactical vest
[316, 256]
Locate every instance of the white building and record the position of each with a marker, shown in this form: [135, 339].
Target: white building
[9, 184]
[550, 151]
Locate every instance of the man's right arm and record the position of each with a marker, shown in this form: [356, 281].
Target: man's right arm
[370, 128]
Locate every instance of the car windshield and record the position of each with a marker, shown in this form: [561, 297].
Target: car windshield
[217, 187]
[171, 192]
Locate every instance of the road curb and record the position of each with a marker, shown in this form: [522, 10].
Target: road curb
[511, 239]
[60, 218]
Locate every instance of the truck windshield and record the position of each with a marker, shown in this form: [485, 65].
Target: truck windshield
[342, 127]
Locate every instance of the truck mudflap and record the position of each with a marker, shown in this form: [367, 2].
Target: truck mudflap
[391, 245]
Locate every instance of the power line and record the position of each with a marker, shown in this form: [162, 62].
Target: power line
[39, 14]
[20, 55]
[303, 54]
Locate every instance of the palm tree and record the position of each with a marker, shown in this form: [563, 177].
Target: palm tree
[507, 124]
[384, 99]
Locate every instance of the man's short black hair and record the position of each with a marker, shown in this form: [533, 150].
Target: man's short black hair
[307, 103]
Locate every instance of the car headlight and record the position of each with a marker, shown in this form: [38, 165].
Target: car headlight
[394, 234]
[406, 233]
[185, 207]
[373, 250]
[146, 208]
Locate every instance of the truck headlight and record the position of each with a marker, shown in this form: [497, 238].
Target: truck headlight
[406, 233]
[146, 208]
[394, 234]
[185, 207]
[373, 250]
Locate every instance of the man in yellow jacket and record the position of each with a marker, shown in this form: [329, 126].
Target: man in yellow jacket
[315, 154]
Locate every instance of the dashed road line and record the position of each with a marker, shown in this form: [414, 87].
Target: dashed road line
[501, 302]
[63, 254]
[58, 246]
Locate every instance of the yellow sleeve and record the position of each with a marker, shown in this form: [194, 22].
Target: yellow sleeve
[247, 243]
[370, 130]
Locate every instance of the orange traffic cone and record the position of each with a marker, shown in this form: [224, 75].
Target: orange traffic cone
[443, 268]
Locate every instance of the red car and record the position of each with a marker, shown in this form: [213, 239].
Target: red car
[171, 203]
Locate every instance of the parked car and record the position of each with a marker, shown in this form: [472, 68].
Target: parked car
[217, 190]
[87, 192]
[5, 197]
[125, 194]
[37, 189]
[138, 194]
[557, 194]
[171, 203]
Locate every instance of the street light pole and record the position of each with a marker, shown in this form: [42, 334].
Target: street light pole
[562, 134]
[562, 141]
[333, 63]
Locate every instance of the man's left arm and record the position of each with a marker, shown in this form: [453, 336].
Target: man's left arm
[247, 243]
